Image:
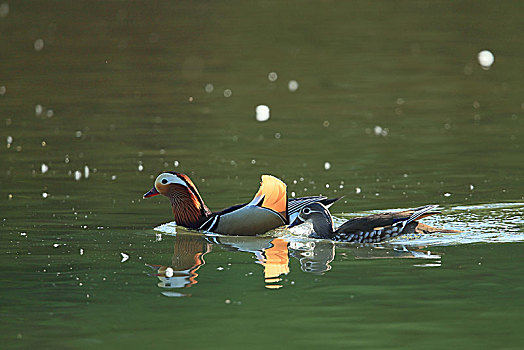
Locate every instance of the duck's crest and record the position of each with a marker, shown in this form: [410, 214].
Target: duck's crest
[272, 195]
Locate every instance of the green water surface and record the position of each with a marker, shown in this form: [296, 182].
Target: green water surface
[383, 102]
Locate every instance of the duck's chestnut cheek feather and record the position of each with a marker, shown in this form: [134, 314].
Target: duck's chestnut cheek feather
[151, 193]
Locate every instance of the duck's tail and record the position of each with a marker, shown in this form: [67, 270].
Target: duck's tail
[425, 211]
[422, 212]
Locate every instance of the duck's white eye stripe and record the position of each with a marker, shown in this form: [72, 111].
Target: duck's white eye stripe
[170, 178]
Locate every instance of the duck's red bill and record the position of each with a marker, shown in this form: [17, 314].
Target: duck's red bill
[151, 193]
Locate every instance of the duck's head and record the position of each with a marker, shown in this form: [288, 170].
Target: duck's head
[319, 216]
[169, 182]
[185, 199]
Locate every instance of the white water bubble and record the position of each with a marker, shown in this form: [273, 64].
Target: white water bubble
[38, 110]
[77, 175]
[38, 44]
[56, 245]
[113, 177]
[358, 190]
[140, 167]
[169, 272]
[49, 113]
[3, 90]
[86, 171]
[447, 194]
[176, 163]
[486, 59]
[45, 195]
[81, 251]
[209, 88]
[78, 133]
[125, 257]
[262, 113]
[272, 76]
[327, 185]
[293, 194]
[228, 93]
[379, 131]
[9, 140]
[471, 187]
[292, 85]
[4, 10]
[327, 165]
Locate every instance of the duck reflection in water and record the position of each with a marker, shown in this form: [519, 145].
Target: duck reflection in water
[188, 257]
[272, 253]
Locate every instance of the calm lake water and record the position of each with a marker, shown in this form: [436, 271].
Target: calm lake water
[382, 102]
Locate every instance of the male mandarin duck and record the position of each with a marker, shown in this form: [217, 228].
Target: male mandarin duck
[269, 209]
[367, 229]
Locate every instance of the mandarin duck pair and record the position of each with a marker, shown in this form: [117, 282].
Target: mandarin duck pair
[271, 208]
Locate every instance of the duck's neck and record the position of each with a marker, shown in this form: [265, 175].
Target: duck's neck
[188, 209]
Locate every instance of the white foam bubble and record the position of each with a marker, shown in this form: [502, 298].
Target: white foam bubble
[4, 9]
[262, 113]
[379, 131]
[39, 44]
[486, 59]
[327, 165]
[169, 272]
[38, 110]
[292, 85]
[78, 175]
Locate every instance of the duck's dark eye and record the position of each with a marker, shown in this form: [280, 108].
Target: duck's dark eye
[164, 181]
[306, 211]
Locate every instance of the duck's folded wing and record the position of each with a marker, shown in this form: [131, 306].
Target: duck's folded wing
[267, 211]
[400, 219]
